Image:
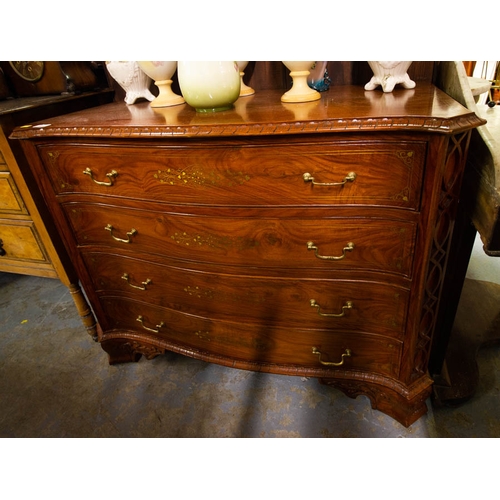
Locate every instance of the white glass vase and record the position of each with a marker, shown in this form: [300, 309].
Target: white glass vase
[209, 86]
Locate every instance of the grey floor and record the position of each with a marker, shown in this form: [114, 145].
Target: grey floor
[56, 382]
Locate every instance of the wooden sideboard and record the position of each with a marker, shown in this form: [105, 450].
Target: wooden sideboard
[301, 239]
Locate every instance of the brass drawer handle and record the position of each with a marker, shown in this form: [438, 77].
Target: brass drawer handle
[350, 177]
[110, 175]
[144, 284]
[347, 305]
[109, 228]
[348, 248]
[140, 319]
[347, 354]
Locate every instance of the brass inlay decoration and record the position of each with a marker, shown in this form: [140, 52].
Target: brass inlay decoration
[198, 292]
[402, 235]
[214, 241]
[110, 175]
[347, 305]
[208, 293]
[406, 156]
[223, 338]
[348, 248]
[142, 286]
[346, 354]
[392, 320]
[140, 319]
[132, 232]
[403, 195]
[203, 335]
[53, 156]
[197, 175]
[350, 177]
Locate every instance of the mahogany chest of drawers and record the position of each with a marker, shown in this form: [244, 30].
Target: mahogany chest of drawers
[301, 239]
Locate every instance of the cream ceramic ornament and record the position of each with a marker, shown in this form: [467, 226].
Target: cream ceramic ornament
[209, 86]
[245, 89]
[162, 72]
[300, 91]
[388, 74]
[131, 79]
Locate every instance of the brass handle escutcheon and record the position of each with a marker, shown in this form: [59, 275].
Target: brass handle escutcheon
[140, 319]
[347, 354]
[350, 177]
[144, 284]
[347, 305]
[348, 248]
[110, 175]
[109, 228]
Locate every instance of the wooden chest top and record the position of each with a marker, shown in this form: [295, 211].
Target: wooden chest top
[341, 109]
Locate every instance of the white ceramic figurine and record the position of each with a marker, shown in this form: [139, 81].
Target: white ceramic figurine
[131, 79]
[388, 74]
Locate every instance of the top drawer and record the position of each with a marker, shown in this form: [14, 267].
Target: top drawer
[333, 173]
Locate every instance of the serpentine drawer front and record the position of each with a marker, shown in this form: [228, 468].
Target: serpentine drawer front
[387, 173]
[335, 304]
[329, 244]
[312, 247]
[246, 342]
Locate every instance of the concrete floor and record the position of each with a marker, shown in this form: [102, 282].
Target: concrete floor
[56, 382]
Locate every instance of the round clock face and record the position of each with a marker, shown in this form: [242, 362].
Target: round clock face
[30, 71]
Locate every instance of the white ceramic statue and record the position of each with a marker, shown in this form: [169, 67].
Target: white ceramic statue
[388, 74]
[131, 79]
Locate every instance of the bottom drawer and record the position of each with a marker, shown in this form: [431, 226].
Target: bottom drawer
[19, 240]
[270, 344]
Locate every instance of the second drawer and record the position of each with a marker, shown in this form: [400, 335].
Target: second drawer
[306, 243]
